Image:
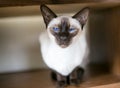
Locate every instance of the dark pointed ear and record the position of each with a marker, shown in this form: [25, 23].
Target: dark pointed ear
[82, 16]
[47, 14]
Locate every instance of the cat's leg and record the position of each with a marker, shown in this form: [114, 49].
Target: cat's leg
[76, 76]
[60, 80]
[54, 76]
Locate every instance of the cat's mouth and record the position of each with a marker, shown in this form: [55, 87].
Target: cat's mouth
[63, 46]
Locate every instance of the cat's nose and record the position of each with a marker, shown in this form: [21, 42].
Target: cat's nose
[63, 37]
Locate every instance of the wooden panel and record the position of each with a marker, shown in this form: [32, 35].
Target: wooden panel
[38, 2]
[41, 79]
[114, 85]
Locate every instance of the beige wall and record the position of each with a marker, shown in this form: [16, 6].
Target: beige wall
[19, 49]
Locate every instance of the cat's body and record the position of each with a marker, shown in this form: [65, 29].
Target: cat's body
[64, 60]
[64, 45]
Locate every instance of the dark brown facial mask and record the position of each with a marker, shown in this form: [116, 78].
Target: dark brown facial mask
[63, 36]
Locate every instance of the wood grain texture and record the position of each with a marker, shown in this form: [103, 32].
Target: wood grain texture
[38, 2]
[114, 85]
[41, 79]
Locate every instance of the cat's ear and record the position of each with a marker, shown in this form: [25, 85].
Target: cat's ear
[47, 14]
[82, 16]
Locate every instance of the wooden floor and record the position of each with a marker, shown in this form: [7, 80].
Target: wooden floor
[41, 79]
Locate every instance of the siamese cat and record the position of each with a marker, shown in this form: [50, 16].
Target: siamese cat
[63, 45]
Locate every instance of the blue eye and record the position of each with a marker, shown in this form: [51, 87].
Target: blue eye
[71, 29]
[56, 29]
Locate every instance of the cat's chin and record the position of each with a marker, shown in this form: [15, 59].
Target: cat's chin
[63, 46]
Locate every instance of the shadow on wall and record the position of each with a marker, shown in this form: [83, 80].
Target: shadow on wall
[98, 37]
[104, 39]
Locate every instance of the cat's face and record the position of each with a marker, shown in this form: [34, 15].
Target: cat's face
[64, 29]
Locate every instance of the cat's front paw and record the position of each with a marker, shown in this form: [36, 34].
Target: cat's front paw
[61, 84]
[61, 81]
[74, 81]
[76, 76]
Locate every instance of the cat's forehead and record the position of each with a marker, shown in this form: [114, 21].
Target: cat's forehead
[64, 19]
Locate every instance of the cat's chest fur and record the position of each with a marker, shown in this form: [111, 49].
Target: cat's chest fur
[63, 60]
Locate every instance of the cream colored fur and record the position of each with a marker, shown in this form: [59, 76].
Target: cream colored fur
[63, 60]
